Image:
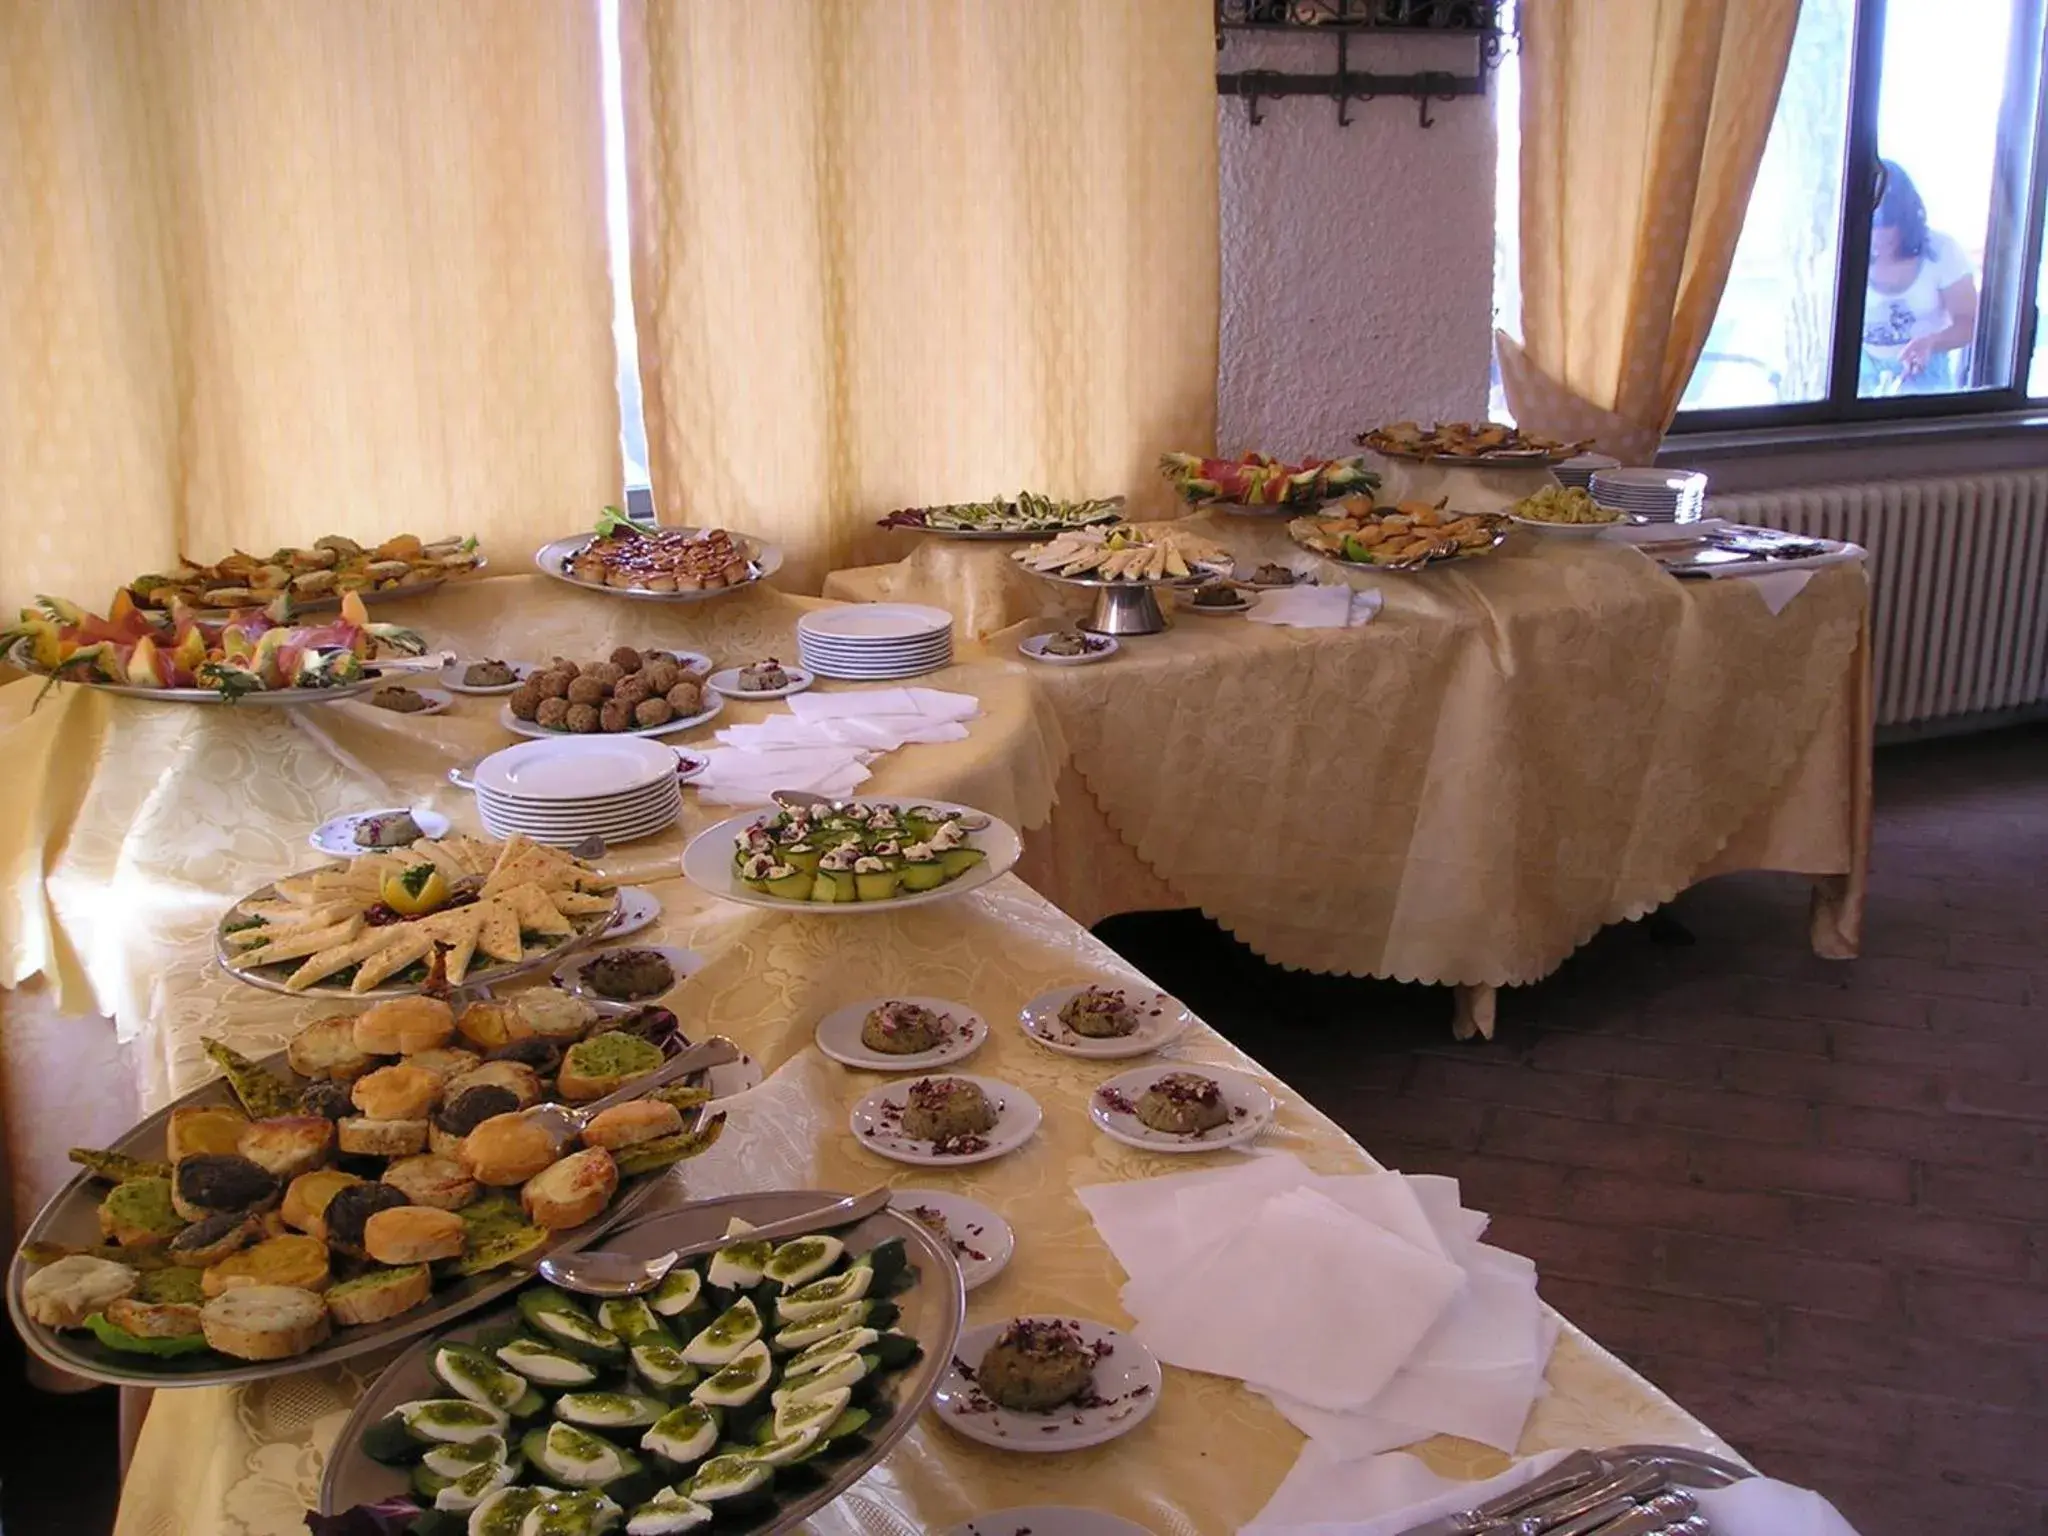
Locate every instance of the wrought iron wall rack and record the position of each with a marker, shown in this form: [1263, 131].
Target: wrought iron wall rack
[1344, 20]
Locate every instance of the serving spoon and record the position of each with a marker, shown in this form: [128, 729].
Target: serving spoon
[566, 1122]
[621, 1274]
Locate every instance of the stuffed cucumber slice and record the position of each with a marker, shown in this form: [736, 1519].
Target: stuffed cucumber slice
[663, 1366]
[726, 1478]
[556, 1317]
[826, 1351]
[449, 1420]
[847, 1371]
[732, 1331]
[576, 1458]
[822, 1296]
[738, 1382]
[544, 1365]
[738, 1265]
[631, 1318]
[802, 1260]
[469, 1372]
[452, 1461]
[576, 1513]
[681, 1290]
[608, 1410]
[817, 1413]
[855, 1314]
[683, 1435]
[669, 1513]
[504, 1512]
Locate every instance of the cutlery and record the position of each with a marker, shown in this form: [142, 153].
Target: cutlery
[1657, 1517]
[620, 1274]
[566, 1122]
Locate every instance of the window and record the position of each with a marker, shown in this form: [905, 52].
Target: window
[1890, 259]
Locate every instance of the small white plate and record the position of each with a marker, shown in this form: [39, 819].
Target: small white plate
[839, 1036]
[690, 765]
[877, 1125]
[438, 700]
[337, 837]
[727, 682]
[638, 909]
[981, 1240]
[1212, 610]
[684, 962]
[1113, 1108]
[1161, 1021]
[1048, 1520]
[1034, 647]
[451, 675]
[1566, 530]
[512, 722]
[1124, 1393]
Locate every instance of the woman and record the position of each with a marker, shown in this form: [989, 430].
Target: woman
[1920, 306]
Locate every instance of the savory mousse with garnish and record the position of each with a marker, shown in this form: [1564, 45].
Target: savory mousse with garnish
[903, 1029]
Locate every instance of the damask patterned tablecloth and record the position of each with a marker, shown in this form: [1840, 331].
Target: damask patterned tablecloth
[247, 1462]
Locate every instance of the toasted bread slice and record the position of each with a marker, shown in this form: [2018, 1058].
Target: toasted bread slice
[413, 1234]
[198, 1128]
[364, 1137]
[294, 1260]
[288, 1145]
[265, 1322]
[305, 1199]
[603, 1064]
[154, 1319]
[329, 961]
[137, 1213]
[571, 1191]
[427, 1179]
[447, 1062]
[537, 913]
[66, 1293]
[379, 1295]
[327, 1048]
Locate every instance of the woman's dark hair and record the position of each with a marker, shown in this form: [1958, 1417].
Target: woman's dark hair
[1899, 207]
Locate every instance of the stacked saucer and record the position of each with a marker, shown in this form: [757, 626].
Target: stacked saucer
[562, 791]
[1654, 495]
[874, 641]
[1580, 469]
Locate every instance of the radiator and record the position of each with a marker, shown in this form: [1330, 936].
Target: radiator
[1959, 584]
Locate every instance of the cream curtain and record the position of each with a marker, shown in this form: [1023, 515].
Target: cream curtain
[889, 252]
[276, 268]
[1642, 125]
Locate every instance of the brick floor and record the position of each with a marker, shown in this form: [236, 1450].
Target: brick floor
[1809, 1199]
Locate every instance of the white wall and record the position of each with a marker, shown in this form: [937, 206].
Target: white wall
[1357, 262]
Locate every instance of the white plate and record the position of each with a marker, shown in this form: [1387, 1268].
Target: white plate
[839, 1036]
[625, 812]
[685, 963]
[884, 675]
[512, 722]
[865, 622]
[874, 1123]
[1251, 1110]
[1163, 1021]
[1211, 610]
[727, 682]
[938, 641]
[1565, 530]
[1034, 647]
[981, 1240]
[1127, 1384]
[1048, 1520]
[638, 909]
[707, 862]
[451, 675]
[553, 559]
[566, 770]
[638, 822]
[438, 700]
[337, 837]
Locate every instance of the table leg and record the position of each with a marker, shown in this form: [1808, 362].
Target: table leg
[134, 1405]
[1472, 1011]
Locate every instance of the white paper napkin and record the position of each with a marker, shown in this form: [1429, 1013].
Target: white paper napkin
[737, 777]
[1777, 588]
[1334, 607]
[869, 703]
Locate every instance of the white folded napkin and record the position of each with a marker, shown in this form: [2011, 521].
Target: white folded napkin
[1391, 1494]
[1333, 607]
[824, 742]
[737, 777]
[1777, 588]
[869, 703]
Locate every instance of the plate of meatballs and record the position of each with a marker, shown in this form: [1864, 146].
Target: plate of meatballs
[630, 692]
[1104, 1022]
[901, 1034]
[945, 1122]
[1176, 1109]
[1047, 1384]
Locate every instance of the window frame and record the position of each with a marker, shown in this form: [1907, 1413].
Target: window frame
[1843, 405]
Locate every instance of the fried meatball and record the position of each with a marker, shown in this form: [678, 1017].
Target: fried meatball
[615, 715]
[526, 701]
[564, 664]
[660, 676]
[652, 712]
[626, 659]
[550, 685]
[587, 690]
[686, 698]
[631, 690]
[607, 673]
[581, 719]
[553, 714]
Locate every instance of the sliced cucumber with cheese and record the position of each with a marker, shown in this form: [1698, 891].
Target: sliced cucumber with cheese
[452, 1461]
[828, 1349]
[815, 1413]
[681, 1290]
[855, 1314]
[575, 1458]
[449, 1420]
[732, 1331]
[781, 1450]
[545, 1365]
[827, 1295]
[729, 1477]
[669, 1513]
[631, 1318]
[739, 1381]
[683, 1435]
[469, 1372]
[461, 1494]
[738, 1264]
[662, 1366]
[556, 1318]
[504, 1512]
[609, 1410]
[846, 1371]
[576, 1513]
[802, 1260]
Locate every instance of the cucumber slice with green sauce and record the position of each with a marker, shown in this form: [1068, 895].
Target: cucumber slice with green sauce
[681, 1290]
[802, 1260]
[545, 1365]
[556, 1318]
[732, 1331]
[452, 1461]
[822, 1325]
[581, 1512]
[608, 1410]
[669, 1513]
[818, 1413]
[737, 1383]
[504, 1512]
[684, 1434]
[662, 1366]
[822, 1296]
[449, 1420]
[846, 1371]
[631, 1318]
[828, 1349]
[726, 1478]
[470, 1373]
[575, 1458]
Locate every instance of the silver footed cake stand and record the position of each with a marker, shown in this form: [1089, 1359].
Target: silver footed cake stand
[1126, 607]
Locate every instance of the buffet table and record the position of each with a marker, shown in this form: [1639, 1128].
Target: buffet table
[249, 1460]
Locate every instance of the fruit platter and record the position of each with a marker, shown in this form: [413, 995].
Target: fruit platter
[1260, 485]
[658, 564]
[750, 1388]
[255, 656]
[1030, 515]
[1405, 537]
[1489, 442]
[450, 911]
[316, 577]
[868, 855]
[385, 1173]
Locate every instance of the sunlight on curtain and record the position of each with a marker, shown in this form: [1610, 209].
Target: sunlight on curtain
[925, 250]
[1642, 125]
[271, 269]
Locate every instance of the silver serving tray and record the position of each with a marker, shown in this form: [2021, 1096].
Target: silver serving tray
[933, 1310]
[553, 560]
[70, 1217]
[269, 698]
[1199, 572]
[371, 596]
[1010, 535]
[1500, 537]
[588, 930]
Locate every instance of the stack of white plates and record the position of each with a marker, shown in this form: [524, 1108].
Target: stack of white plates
[1580, 469]
[1655, 495]
[868, 641]
[562, 791]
